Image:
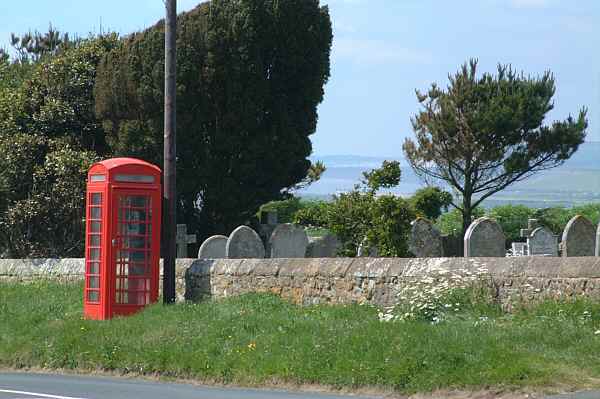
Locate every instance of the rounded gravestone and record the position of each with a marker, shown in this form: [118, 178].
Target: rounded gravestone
[485, 238]
[213, 248]
[425, 240]
[579, 238]
[542, 241]
[288, 241]
[323, 247]
[244, 243]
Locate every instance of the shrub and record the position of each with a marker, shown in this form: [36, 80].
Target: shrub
[429, 202]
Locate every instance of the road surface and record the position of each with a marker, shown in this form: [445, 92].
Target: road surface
[48, 386]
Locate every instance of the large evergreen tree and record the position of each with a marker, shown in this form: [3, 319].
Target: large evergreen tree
[250, 76]
[484, 133]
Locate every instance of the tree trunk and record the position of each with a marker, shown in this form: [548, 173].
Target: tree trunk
[467, 215]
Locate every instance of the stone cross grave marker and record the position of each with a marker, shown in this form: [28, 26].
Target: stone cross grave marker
[485, 238]
[532, 224]
[541, 241]
[213, 248]
[244, 243]
[579, 238]
[425, 240]
[269, 221]
[182, 240]
[288, 241]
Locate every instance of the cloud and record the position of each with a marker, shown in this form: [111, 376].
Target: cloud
[376, 52]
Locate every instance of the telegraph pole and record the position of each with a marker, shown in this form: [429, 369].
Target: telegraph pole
[170, 154]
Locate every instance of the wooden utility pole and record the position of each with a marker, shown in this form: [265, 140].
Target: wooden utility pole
[170, 154]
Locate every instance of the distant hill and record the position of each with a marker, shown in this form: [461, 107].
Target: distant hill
[575, 182]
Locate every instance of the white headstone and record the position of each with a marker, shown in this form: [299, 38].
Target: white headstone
[519, 248]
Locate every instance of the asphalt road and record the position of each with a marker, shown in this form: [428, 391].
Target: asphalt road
[47, 386]
[38, 386]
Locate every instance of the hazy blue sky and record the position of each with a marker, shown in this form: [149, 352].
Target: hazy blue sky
[384, 49]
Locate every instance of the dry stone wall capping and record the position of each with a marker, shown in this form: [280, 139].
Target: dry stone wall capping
[579, 238]
[376, 280]
[347, 280]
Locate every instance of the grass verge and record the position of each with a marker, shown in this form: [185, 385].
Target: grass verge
[257, 339]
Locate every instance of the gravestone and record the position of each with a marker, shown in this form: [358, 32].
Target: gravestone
[532, 224]
[598, 241]
[244, 243]
[485, 238]
[213, 248]
[542, 241]
[323, 247]
[579, 238]
[452, 246]
[182, 240]
[268, 223]
[425, 240]
[288, 241]
[519, 249]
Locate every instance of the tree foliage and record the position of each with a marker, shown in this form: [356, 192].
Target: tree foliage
[49, 137]
[250, 76]
[430, 202]
[361, 216]
[42, 187]
[483, 133]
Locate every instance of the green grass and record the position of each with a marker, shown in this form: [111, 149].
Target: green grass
[258, 339]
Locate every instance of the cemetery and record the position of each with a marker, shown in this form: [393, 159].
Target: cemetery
[309, 271]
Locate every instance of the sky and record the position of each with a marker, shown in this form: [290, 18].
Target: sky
[385, 49]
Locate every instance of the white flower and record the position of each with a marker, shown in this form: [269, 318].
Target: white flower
[597, 332]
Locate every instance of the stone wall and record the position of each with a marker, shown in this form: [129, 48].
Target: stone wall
[70, 269]
[377, 280]
[345, 280]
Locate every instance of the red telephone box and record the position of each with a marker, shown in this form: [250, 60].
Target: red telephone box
[122, 243]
